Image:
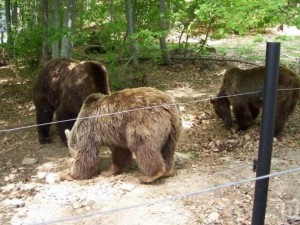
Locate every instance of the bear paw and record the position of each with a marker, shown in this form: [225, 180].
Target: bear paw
[150, 179]
[113, 170]
[44, 140]
[68, 177]
[170, 173]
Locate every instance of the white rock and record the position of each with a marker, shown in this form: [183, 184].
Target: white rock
[182, 155]
[52, 178]
[127, 187]
[218, 142]
[29, 161]
[213, 217]
[230, 141]
[41, 175]
[77, 205]
[247, 137]
[18, 203]
[32, 108]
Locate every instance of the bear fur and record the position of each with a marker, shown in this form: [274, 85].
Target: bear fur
[61, 87]
[149, 133]
[246, 108]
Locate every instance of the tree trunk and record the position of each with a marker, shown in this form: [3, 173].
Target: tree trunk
[130, 31]
[8, 23]
[162, 39]
[54, 24]
[112, 10]
[14, 18]
[45, 51]
[66, 44]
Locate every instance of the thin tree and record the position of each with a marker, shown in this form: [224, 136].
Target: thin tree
[2, 20]
[14, 14]
[45, 51]
[8, 22]
[130, 31]
[55, 27]
[162, 38]
[69, 16]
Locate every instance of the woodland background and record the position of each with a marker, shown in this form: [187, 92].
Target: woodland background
[131, 31]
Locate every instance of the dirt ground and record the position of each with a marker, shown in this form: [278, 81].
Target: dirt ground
[208, 155]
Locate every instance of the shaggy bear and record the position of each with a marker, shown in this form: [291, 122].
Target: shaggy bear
[246, 108]
[61, 87]
[141, 121]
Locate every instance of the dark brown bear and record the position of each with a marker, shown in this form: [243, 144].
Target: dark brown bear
[61, 87]
[247, 107]
[127, 128]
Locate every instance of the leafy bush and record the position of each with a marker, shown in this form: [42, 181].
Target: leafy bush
[258, 38]
[28, 47]
[284, 38]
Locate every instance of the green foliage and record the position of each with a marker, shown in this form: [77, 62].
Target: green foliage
[241, 16]
[284, 38]
[104, 22]
[258, 38]
[118, 79]
[148, 44]
[28, 47]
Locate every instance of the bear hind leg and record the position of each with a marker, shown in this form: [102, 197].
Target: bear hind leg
[282, 114]
[150, 162]
[168, 152]
[121, 160]
[44, 116]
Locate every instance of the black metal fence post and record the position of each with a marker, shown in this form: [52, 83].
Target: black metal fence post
[266, 132]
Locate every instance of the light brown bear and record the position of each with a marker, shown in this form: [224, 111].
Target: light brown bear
[142, 121]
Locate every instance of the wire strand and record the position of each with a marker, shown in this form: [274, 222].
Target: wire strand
[136, 109]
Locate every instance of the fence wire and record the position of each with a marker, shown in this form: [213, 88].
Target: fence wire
[140, 108]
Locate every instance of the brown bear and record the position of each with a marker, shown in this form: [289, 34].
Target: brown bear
[142, 121]
[61, 87]
[246, 107]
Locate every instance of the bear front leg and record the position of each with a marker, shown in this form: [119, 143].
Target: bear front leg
[243, 116]
[85, 165]
[121, 159]
[44, 115]
[254, 110]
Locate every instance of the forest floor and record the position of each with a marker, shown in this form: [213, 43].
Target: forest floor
[208, 155]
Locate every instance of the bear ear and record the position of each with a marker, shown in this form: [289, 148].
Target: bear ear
[68, 134]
